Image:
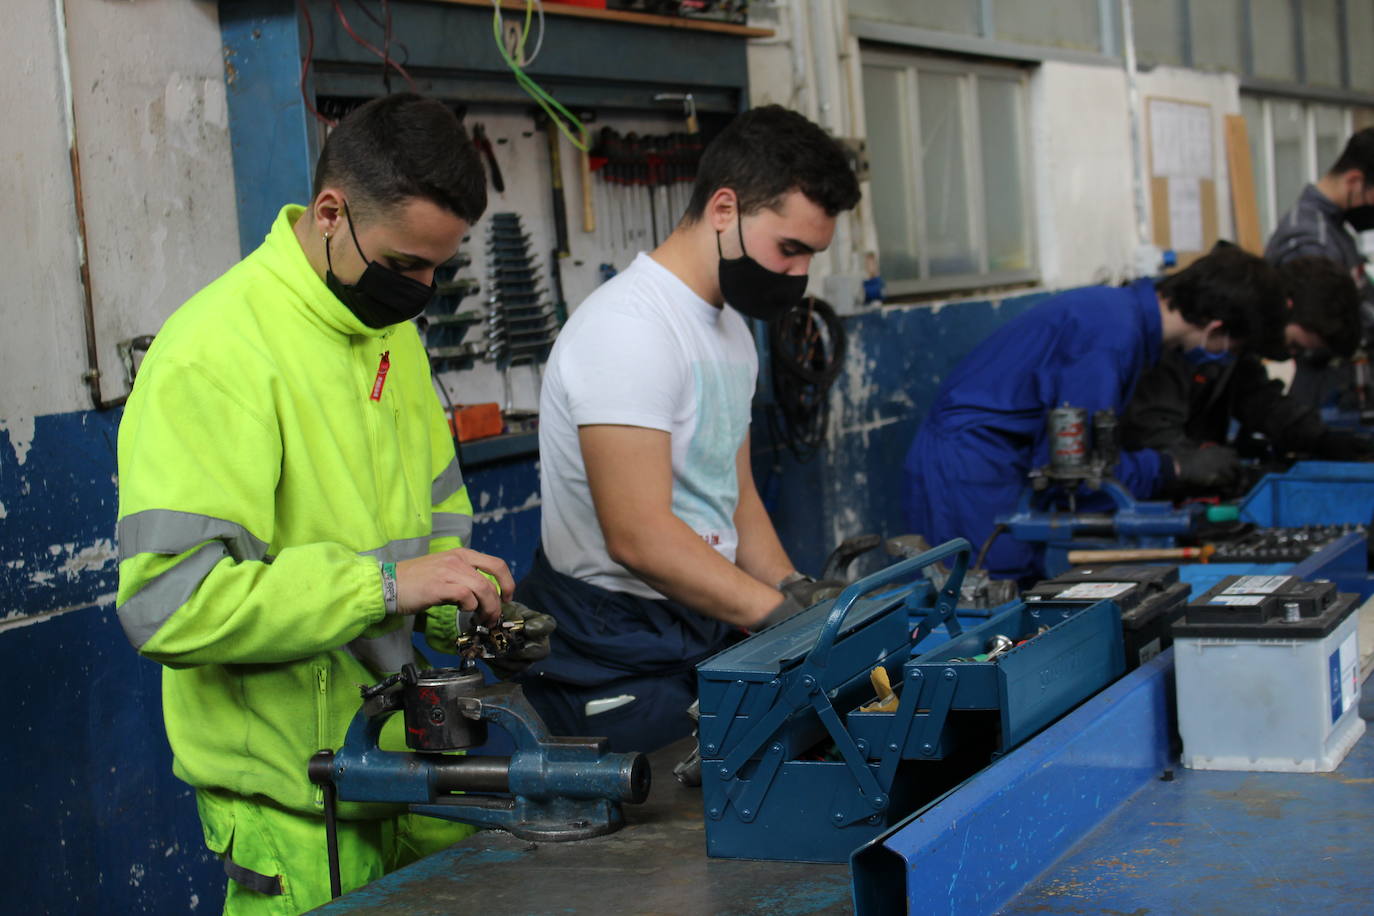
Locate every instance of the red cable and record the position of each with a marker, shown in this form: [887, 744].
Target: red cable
[369, 46]
[305, 63]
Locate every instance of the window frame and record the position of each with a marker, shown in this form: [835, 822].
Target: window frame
[1266, 177]
[910, 63]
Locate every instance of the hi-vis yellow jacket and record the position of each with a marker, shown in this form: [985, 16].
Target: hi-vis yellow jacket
[260, 488]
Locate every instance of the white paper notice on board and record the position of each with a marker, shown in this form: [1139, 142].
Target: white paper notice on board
[1180, 140]
[1185, 214]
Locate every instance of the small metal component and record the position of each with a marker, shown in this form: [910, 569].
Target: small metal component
[998, 644]
[1068, 429]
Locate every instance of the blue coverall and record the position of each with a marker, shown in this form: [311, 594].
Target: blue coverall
[969, 460]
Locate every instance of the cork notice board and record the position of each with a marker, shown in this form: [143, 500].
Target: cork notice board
[1183, 190]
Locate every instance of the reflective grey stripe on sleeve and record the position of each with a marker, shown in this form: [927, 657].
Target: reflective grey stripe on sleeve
[446, 484]
[152, 605]
[386, 653]
[453, 525]
[396, 551]
[171, 532]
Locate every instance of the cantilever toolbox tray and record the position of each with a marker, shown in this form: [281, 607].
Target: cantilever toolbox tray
[793, 766]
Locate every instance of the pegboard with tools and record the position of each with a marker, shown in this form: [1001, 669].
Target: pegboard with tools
[643, 183]
[476, 317]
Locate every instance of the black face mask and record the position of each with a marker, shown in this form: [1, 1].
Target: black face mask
[381, 296]
[1361, 219]
[753, 289]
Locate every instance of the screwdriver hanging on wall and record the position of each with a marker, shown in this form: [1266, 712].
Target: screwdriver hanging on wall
[479, 140]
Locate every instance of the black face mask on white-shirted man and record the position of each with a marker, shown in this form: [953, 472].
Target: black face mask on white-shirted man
[753, 289]
[381, 296]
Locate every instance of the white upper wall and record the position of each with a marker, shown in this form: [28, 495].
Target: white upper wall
[156, 171]
[1084, 198]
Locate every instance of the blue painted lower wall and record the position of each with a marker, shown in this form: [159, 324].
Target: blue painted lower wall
[96, 823]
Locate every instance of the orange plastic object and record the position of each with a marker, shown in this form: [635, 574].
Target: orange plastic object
[476, 421]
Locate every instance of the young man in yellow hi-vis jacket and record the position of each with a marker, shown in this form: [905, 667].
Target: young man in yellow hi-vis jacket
[290, 501]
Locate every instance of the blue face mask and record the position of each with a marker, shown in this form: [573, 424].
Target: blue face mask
[1201, 356]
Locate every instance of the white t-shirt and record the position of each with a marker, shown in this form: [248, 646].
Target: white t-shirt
[644, 350]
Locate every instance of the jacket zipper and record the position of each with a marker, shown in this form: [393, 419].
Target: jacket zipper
[322, 720]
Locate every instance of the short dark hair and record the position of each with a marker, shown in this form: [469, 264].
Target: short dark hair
[1325, 301]
[766, 152]
[399, 147]
[1244, 292]
[1358, 154]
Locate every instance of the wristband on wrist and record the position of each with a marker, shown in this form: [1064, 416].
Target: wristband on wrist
[389, 591]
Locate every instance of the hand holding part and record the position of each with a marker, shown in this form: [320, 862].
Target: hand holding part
[1213, 467]
[461, 576]
[806, 591]
[521, 639]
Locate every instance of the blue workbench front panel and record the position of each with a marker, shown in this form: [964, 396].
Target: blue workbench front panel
[973, 850]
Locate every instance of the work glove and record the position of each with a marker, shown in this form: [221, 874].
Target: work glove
[1211, 467]
[1341, 445]
[806, 591]
[530, 637]
[799, 592]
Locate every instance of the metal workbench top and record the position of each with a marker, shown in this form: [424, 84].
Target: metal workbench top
[1227, 844]
[656, 864]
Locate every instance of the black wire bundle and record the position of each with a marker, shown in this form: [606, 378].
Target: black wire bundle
[807, 351]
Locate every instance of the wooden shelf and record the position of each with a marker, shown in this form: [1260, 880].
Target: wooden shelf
[586, 12]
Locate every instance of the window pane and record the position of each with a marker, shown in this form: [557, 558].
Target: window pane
[1290, 174]
[1359, 19]
[887, 108]
[1001, 127]
[1329, 123]
[1056, 23]
[1253, 109]
[1271, 30]
[944, 16]
[944, 164]
[1321, 42]
[1157, 33]
[1216, 34]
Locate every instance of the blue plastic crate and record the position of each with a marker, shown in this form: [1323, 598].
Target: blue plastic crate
[1313, 493]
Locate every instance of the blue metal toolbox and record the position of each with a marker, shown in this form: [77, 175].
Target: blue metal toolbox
[798, 764]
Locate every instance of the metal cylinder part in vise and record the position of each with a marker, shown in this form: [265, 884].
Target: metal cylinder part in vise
[1068, 430]
[620, 777]
[1106, 439]
[431, 721]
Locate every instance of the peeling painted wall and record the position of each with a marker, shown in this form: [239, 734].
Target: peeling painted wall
[95, 821]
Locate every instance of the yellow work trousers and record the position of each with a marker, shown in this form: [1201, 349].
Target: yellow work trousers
[281, 859]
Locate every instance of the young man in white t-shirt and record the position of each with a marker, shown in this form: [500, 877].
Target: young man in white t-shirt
[656, 550]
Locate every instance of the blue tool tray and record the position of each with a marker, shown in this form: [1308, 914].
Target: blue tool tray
[1313, 493]
[793, 769]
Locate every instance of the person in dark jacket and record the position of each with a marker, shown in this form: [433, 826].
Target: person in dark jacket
[1320, 224]
[1087, 347]
[1192, 399]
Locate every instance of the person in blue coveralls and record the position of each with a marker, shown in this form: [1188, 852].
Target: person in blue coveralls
[1086, 348]
[655, 549]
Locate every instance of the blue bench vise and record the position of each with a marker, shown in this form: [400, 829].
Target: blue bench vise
[801, 758]
[1080, 468]
[551, 788]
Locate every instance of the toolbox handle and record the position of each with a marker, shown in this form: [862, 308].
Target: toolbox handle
[905, 570]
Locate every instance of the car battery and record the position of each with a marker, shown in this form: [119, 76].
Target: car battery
[1150, 598]
[1267, 670]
